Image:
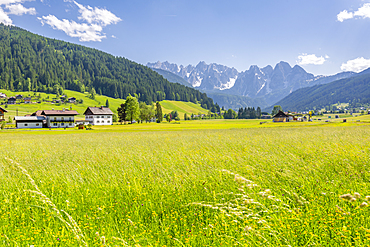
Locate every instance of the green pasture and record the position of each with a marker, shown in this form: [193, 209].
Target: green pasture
[197, 183]
[24, 109]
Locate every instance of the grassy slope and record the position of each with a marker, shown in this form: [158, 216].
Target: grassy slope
[23, 109]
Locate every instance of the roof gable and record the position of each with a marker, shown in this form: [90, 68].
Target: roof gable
[280, 114]
[98, 111]
[3, 110]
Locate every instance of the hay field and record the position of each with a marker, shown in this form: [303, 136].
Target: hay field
[217, 184]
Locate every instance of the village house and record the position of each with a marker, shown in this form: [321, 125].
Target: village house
[19, 96]
[99, 115]
[27, 100]
[12, 100]
[2, 96]
[2, 114]
[72, 100]
[30, 122]
[281, 117]
[59, 118]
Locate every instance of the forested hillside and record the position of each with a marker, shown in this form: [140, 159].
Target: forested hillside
[30, 62]
[350, 90]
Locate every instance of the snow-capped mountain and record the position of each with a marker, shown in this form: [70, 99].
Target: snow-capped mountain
[271, 84]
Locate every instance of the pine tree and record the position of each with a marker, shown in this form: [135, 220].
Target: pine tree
[158, 112]
[107, 103]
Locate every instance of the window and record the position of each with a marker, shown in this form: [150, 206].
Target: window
[98, 121]
[55, 118]
[55, 124]
[62, 124]
[62, 118]
[108, 121]
[25, 124]
[70, 124]
[102, 121]
[37, 124]
[70, 119]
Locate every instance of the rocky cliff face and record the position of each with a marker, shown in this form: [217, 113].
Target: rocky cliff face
[271, 84]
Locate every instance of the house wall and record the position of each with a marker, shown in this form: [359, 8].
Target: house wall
[29, 125]
[99, 119]
[57, 121]
[280, 119]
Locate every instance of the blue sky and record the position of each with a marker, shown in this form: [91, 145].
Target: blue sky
[324, 37]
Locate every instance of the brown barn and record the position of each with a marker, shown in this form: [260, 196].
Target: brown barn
[281, 117]
[2, 115]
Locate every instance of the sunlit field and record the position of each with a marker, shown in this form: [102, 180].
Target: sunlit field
[196, 183]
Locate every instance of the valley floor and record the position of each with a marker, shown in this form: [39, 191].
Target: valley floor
[193, 183]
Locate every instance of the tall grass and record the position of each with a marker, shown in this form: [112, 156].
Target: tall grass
[267, 186]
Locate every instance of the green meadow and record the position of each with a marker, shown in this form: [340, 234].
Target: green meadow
[190, 183]
[24, 109]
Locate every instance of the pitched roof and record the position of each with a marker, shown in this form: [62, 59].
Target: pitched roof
[29, 118]
[3, 109]
[37, 113]
[59, 113]
[280, 114]
[98, 111]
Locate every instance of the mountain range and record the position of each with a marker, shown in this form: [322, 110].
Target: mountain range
[268, 84]
[351, 90]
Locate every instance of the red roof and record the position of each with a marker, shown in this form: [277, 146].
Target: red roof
[59, 113]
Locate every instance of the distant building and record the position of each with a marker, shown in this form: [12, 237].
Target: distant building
[72, 100]
[2, 96]
[19, 96]
[59, 118]
[30, 122]
[281, 117]
[266, 117]
[99, 115]
[27, 100]
[11, 101]
[2, 114]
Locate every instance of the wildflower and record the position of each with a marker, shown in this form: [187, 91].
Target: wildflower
[248, 229]
[352, 199]
[346, 197]
[357, 195]
[102, 240]
[364, 204]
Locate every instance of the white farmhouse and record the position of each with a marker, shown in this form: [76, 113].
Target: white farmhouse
[99, 115]
[59, 118]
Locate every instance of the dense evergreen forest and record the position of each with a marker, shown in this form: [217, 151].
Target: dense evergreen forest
[30, 62]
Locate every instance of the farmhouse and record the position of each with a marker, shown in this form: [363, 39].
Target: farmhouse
[27, 100]
[2, 115]
[99, 115]
[281, 117]
[59, 118]
[19, 96]
[2, 96]
[11, 101]
[30, 122]
[72, 100]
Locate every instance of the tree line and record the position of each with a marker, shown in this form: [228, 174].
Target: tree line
[30, 62]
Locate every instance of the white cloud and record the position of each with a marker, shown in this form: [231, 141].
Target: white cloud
[4, 18]
[357, 65]
[306, 59]
[363, 12]
[344, 15]
[95, 19]
[102, 17]
[15, 8]
[83, 31]
[19, 9]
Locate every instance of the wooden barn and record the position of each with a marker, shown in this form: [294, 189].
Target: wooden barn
[281, 117]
